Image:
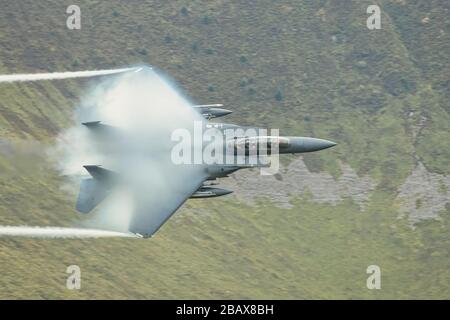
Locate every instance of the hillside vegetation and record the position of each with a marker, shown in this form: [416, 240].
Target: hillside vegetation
[310, 68]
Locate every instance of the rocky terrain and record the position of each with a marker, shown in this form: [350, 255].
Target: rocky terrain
[295, 180]
[424, 195]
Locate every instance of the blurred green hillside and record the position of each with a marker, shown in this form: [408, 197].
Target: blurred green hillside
[307, 67]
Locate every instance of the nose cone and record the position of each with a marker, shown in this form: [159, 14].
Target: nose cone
[220, 112]
[306, 144]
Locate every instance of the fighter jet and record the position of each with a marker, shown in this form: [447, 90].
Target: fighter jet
[150, 215]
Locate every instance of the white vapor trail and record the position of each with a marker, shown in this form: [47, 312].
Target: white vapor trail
[58, 232]
[62, 75]
[145, 108]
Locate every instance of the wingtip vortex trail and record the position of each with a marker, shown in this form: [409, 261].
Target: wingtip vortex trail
[60, 232]
[8, 78]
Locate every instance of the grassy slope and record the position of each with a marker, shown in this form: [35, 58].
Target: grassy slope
[337, 79]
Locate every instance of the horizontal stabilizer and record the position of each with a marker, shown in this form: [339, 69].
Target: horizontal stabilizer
[92, 192]
[95, 190]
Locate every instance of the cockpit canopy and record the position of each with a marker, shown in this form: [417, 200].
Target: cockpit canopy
[259, 142]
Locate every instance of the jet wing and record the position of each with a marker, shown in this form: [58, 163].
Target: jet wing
[153, 208]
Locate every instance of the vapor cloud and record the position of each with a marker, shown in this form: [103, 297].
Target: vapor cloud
[145, 108]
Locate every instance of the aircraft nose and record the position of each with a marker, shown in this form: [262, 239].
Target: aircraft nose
[306, 144]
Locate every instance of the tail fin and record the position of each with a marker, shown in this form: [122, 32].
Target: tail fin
[96, 189]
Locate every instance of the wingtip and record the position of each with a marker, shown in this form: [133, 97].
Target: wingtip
[142, 236]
